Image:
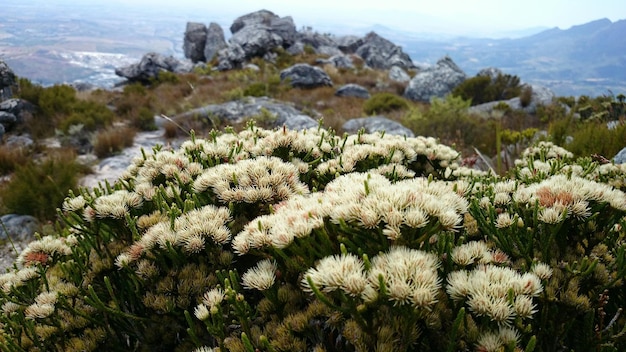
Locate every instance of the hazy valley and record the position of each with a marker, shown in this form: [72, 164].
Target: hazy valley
[69, 43]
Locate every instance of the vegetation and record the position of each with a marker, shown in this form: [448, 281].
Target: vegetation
[384, 102]
[278, 240]
[484, 89]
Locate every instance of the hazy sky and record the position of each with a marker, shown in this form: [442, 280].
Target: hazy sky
[423, 15]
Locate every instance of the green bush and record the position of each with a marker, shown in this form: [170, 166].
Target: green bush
[595, 138]
[482, 89]
[258, 89]
[144, 120]
[38, 188]
[384, 102]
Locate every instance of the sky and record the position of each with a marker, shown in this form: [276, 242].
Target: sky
[447, 16]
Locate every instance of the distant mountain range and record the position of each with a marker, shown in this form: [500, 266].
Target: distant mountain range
[69, 45]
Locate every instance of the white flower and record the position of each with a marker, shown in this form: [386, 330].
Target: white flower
[261, 277]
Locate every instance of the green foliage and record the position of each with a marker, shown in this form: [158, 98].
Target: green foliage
[165, 77]
[29, 91]
[482, 89]
[283, 59]
[595, 138]
[144, 121]
[37, 188]
[258, 89]
[384, 102]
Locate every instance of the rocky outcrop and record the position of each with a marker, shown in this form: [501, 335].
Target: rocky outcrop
[352, 90]
[349, 44]
[339, 61]
[7, 81]
[12, 113]
[195, 41]
[620, 158]
[271, 112]
[436, 81]
[398, 74]
[314, 39]
[377, 124]
[382, 54]
[214, 41]
[256, 34]
[150, 66]
[540, 96]
[305, 76]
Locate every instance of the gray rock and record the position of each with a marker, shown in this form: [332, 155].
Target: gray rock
[231, 57]
[380, 53]
[17, 107]
[214, 41]
[435, 81]
[18, 227]
[19, 141]
[328, 50]
[150, 66]
[6, 118]
[339, 61]
[352, 90]
[315, 39]
[398, 74]
[239, 111]
[195, 41]
[491, 72]
[256, 40]
[7, 81]
[540, 96]
[305, 76]
[377, 124]
[349, 44]
[620, 158]
[296, 49]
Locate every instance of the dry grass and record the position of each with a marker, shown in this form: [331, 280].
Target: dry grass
[113, 140]
[11, 157]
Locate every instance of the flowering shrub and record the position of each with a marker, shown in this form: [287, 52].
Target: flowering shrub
[293, 241]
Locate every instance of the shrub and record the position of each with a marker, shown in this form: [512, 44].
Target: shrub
[37, 188]
[595, 138]
[113, 140]
[144, 120]
[286, 240]
[482, 89]
[11, 157]
[258, 89]
[384, 102]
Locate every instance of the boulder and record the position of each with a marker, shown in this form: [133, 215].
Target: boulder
[352, 90]
[620, 158]
[328, 50]
[239, 111]
[17, 107]
[214, 41]
[7, 81]
[305, 76]
[339, 61]
[491, 72]
[19, 141]
[256, 40]
[195, 41]
[398, 74]
[349, 44]
[315, 39]
[436, 81]
[374, 124]
[18, 227]
[540, 96]
[230, 57]
[150, 66]
[380, 53]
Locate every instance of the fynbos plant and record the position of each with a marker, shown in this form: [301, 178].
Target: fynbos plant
[291, 241]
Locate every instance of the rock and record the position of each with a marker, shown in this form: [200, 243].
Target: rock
[349, 44]
[7, 81]
[231, 57]
[18, 227]
[6, 118]
[620, 158]
[239, 111]
[19, 141]
[491, 72]
[540, 96]
[398, 74]
[261, 31]
[305, 76]
[329, 50]
[150, 66]
[18, 107]
[195, 41]
[214, 41]
[380, 53]
[296, 49]
[352, 90]
[339, 61]
[315, 39]
[256, 40]
[435, 81]
[377, 124]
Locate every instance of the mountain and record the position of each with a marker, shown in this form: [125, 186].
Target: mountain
[85, 42]
[585, 59]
